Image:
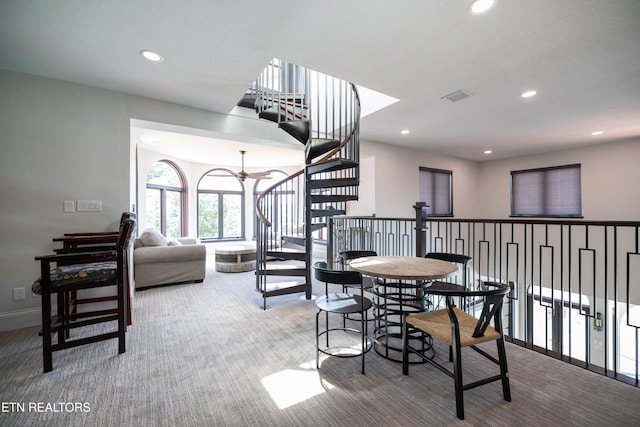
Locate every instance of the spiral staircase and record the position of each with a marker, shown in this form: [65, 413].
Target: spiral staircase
[323, 113]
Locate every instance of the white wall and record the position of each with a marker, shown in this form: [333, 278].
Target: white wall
[396, 179]
[59, 142]
[610, 175]
[366, 203]
[610, 178]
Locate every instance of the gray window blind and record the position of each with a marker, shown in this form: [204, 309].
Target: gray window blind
[547, 192]
[436, 190]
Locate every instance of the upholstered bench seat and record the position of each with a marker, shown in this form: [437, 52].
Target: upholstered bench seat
[78, 274]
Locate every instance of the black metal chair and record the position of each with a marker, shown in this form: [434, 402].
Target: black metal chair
[341, 303]
[463, 266]
[367, 282]
[349, 255]
[462, 261]
[460, 329]
[346, 256]
[79, 271]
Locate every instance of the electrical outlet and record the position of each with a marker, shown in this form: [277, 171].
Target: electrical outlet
[18, 294]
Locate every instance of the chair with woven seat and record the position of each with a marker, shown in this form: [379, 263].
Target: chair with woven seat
[79, 271]
[459, 329]
[344, 304]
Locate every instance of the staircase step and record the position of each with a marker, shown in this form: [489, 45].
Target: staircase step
[319, 146]
[288, 97]
[299, 129]
[318, 226]
[248, 100]
[271, 114]
[301, 239]
[315, 184]
[285, 270]
[327, 198]
[274, 114]
[331, 165]
[296, 240]
[288, 254]
[317, 213]
[284, 288]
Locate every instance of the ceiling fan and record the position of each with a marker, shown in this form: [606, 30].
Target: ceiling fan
[242, 175]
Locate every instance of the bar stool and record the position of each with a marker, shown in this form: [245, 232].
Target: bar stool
[367, 282]
[346, 256]
[341, 303]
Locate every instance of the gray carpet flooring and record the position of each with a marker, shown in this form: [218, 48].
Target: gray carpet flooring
[207, 355]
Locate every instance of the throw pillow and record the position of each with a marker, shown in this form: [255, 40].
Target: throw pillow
[173, 242]
[151, 237]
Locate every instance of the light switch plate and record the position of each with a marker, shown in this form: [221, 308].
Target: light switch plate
[89, 205]
[69, 206]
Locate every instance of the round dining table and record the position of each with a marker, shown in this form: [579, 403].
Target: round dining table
[403, 267]
[405, 295]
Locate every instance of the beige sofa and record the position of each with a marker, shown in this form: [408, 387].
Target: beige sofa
[161, 261]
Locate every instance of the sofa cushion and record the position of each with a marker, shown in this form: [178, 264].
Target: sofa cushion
[173, 242]
[151, 237]
[169, 254]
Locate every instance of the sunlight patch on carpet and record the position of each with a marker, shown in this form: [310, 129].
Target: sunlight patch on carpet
[289, 387]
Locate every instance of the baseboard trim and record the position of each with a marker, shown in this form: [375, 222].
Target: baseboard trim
[18, 319]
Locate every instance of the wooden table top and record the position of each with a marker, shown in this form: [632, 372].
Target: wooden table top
[403, 267]
[236, 249]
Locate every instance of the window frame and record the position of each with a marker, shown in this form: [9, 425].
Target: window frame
[220, 194]
[547, 211]
[429, 212]
[183, 196]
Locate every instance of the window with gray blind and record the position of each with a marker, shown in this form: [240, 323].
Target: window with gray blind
[436, 190]
[547, 192]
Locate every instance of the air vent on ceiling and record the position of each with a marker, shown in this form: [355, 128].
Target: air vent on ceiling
[458, 95]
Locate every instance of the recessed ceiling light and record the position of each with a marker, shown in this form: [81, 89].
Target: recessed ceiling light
[488, 151]
[528, 94]
[151, 55]
[479, 6]
[598, 132]
[404, 132]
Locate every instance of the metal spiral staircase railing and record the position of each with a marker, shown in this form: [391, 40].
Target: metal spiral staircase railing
[323, 113]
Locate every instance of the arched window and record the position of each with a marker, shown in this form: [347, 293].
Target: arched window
[220, 206]
[165, 196]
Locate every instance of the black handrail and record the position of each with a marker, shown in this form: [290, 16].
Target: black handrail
[576, 283]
